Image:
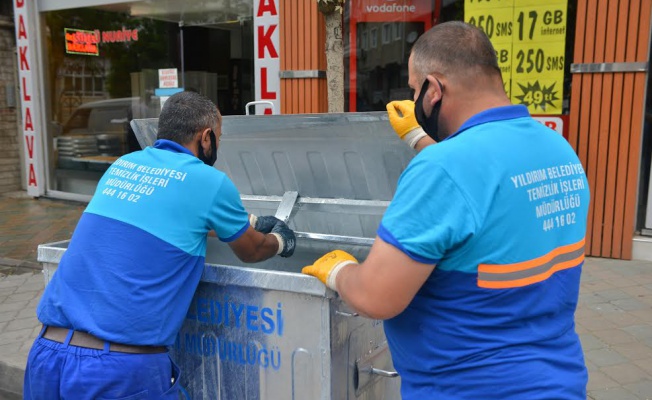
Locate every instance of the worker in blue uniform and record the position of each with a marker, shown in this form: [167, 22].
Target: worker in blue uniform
[475, 269]
[124, 285]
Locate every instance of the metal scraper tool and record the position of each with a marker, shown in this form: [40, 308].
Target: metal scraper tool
[284, 210]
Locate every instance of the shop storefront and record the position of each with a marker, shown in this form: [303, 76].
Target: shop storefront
[86, 68]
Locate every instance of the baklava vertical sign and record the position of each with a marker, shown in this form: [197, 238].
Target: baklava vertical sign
[24, 16]
[266, 55]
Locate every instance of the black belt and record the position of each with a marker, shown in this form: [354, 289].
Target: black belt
[83, 339]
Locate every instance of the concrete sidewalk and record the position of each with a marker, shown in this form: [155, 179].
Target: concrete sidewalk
[614, 317]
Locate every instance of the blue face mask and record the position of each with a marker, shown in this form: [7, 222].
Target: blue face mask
[429, 124]
[213, 157]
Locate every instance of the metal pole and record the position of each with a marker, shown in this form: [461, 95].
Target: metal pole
[183, 61]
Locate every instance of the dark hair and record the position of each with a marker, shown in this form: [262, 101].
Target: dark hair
[184, 114]
[454, 47]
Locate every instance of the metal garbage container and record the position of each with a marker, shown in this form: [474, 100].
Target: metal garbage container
[264, 330]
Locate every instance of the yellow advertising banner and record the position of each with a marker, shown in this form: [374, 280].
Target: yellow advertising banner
[542, 23]
[522, 3]
[504, 54]
[530, 39]
[487, 4]
[497, 23]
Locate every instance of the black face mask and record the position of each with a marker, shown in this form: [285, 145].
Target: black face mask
[202, 156]
[429, 124]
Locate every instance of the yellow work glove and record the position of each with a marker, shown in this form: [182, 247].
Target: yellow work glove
[401, 116]
[327, 267]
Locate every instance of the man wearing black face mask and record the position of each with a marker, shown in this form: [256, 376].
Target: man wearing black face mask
[125, 283]
[476, 264]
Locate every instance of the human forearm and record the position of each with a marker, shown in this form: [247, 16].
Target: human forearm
[265, 248]
[423, 143]
[381, 287]
[266, 237]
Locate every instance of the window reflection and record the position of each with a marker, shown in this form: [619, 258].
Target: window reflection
[102, 70]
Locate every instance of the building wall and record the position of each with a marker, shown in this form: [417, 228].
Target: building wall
[606, 117]
[303, 48]
[10, 176]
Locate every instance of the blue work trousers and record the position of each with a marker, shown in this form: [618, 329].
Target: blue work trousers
[61, 371]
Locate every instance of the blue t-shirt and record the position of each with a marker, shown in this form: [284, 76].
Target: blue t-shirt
[137, 253]
[501, 209]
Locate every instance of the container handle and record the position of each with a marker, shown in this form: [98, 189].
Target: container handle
[347, 314]
[384, 373]
[253, 103]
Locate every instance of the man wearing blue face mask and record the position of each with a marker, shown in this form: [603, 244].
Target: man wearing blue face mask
[476, 264]
[123, 286]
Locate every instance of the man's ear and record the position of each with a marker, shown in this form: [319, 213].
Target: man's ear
[434, 92]
[206, 138]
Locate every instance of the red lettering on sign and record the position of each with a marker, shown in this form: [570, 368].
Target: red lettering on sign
[26, 97]
[29, 125]
[266, 6]
[32, 176]
[265, 40]
[551, 124]
[20, 3]
[264, 94]
[23, 58]
[22, 32]
[30, 146]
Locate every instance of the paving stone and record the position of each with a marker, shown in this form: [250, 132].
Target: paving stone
[595, 324]
[644, 316]
[613, 294]
[641, 332]
[615, 336]
[29, 312]
[591, 342]
[604, 357]
[634, 351]
[16, 306]
[19, 324]
[625, 373]
[17, 335]
[598, 380]
[622, 319]
[616, 393]
[642, 389]
[631, 304]
[8, 315]
[645, 364]
[22, 297]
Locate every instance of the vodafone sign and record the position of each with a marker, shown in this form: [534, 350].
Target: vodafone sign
[390, 10]
[266, 60]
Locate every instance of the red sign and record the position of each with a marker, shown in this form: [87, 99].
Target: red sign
[391, 10]
[81, 42]
[266, 61]
[558, 123]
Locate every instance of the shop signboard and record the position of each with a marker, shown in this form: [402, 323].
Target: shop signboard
[24, 15]
[168, 78]
[530, 39]
[81, 42]
[267, 65]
